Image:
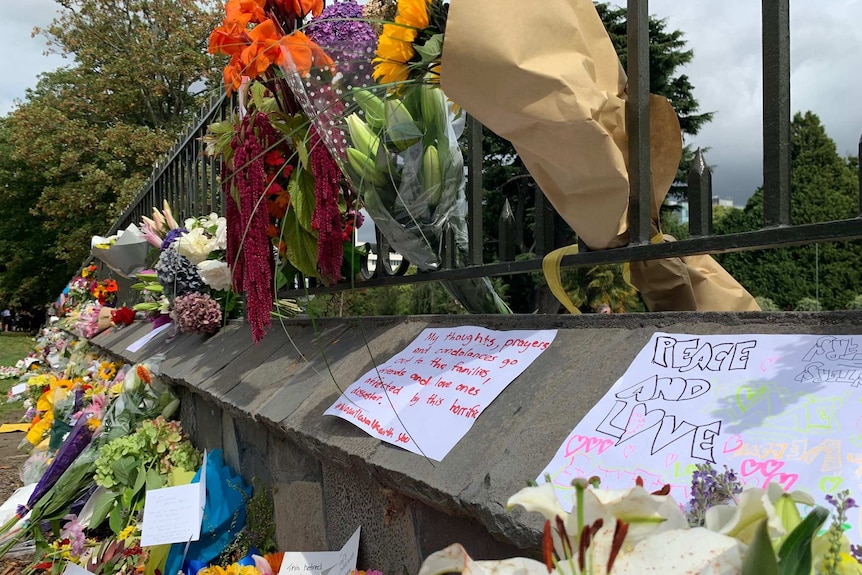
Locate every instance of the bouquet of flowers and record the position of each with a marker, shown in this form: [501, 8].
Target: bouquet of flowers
[397, 142]
[125, 253]
[191, 282]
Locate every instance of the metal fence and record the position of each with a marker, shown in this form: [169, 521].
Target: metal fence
[190, 182]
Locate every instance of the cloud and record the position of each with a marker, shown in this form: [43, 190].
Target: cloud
[24, 59]
[726, 73]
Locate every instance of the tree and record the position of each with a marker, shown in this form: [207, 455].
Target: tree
[85, 139]
[825, 187]
[506, 178]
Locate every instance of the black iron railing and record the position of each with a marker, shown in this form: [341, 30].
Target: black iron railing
[190, 182]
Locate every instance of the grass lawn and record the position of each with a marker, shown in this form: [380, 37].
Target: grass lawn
[13, 346]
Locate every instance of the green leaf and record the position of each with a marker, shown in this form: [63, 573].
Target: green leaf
[104, 503]
[123, 469]
[154, 480]
[760, 558]
[115, 520]
[301, 245]
[795, 553]
[432, 50]
[140, 479]
[352, 259]
[302, 196]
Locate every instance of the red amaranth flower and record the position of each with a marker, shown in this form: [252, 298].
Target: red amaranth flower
[327, 216]
[253, 247]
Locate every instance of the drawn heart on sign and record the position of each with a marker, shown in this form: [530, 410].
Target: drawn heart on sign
[733, 444]
[785, 480]
[587, 444]
[640, 420]
[627, 450]
[831, 483]
[766, 468]
[670, 459]
[746, 397]
[767, 363]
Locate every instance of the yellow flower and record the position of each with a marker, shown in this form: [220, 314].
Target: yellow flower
[116, 389]
[107, 371]
[395, 46]
[237, 569]
[93, 424]
[126, 533]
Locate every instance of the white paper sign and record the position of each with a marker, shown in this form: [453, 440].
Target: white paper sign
[18, 389]
[137, 345]
[174, 514]
[72, 569]
[323, 562]
[774, 408]
[426, 398]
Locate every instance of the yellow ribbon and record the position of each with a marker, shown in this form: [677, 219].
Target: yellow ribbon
[551, 268]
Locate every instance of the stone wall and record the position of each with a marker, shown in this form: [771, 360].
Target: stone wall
[262, 404]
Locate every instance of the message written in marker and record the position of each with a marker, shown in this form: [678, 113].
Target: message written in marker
[341, 562]
[426, 398]
[775, 408]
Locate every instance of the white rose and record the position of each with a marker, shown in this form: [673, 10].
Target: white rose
[221, 234]
[190, 223]
[215, 274]
[195, 245]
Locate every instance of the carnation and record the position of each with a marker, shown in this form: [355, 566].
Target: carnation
[215, 274]
[197, 313]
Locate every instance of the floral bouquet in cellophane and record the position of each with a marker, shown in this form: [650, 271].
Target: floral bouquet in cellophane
[396, 142]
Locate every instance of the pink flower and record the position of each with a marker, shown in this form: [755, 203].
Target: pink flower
[74, 532]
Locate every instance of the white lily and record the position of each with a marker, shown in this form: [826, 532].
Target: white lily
[754, 505]
[641, 530]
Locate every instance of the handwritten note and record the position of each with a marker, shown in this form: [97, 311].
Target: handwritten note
[782, 408]
[174, 514]
[426, 398]
[140, 343]
[323, 562]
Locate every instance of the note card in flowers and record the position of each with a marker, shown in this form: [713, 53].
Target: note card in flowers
[427, 397]
[774, 408]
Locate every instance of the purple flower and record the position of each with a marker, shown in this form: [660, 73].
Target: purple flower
[75, 442]
[346, 36]
[173, 236]
[197, 313]
[74, 532]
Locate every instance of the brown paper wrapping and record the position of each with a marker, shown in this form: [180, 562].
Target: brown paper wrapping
[105, 318]
[549, 81]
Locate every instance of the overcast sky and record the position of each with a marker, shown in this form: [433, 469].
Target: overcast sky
[826, 58]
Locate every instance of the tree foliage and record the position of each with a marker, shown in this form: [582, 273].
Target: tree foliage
[824, 188]
[85, 139]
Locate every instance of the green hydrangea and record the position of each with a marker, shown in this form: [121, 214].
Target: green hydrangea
[157, 444]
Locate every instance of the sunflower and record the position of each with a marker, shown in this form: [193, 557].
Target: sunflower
[395, 46]
[107, 371]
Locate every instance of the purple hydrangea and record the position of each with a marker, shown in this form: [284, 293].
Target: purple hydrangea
[176, 274]
[197, 313]
[350, 40]
[173, 236]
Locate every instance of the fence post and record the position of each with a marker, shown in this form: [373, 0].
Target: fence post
[637, 121]
[700, 197]
[776, 113]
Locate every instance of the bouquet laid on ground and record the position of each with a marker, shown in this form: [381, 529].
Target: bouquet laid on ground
[396, 141]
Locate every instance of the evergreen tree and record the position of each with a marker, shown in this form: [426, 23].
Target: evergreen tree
[824, 188]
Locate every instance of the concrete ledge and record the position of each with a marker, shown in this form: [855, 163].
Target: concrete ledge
[263, 405]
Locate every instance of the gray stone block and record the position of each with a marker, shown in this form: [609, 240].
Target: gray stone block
[299, 516]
